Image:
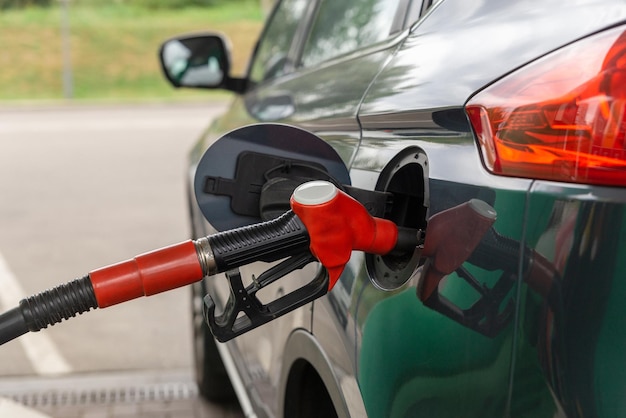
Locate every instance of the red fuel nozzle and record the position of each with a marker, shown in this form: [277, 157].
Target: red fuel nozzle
[338, 224]
[324, 222]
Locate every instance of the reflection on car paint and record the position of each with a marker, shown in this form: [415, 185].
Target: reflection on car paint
[577, 332]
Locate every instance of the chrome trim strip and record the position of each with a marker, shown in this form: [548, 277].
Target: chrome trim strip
[235, 379]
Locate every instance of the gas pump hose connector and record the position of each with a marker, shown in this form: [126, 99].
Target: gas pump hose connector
[188, 262]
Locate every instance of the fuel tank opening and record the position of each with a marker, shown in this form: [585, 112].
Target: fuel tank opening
[406, 178]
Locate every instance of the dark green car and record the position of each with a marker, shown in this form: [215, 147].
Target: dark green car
[521, 105]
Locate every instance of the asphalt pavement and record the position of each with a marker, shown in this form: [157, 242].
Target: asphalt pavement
[82, 187]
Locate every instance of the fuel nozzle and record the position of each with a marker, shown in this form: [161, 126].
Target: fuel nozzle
[325, 224]
[338, 224]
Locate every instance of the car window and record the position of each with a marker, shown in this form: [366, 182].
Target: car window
[416, 10]
[273, 49]
[345, 26]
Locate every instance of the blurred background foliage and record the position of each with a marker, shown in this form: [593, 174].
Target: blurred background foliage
[8, 4]
[113, 45]
[150, 4]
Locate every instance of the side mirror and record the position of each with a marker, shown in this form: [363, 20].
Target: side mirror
[198, 61]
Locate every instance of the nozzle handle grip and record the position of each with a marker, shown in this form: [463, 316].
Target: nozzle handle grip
[269, 241]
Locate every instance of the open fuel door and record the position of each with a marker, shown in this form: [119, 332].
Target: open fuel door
[248, 174]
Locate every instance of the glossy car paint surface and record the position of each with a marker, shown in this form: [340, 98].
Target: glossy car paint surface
[383, 353]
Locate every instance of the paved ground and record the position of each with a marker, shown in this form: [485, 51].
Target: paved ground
[111, 395]
[81, 188]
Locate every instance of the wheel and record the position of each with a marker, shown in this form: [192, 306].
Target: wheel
[211, 377]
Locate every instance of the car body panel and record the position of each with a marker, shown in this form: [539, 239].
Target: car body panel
[573, 336]
[438, 367]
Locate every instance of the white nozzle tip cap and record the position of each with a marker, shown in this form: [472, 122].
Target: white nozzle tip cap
[315, 193]
[483, 208]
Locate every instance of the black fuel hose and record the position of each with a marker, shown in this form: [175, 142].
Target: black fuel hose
[48, 308]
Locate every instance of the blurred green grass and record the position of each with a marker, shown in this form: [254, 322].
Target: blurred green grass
[114, 48]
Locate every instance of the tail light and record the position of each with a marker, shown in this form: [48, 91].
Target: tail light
[561, 118]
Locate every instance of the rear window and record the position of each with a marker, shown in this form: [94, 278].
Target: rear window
[344, 26]
[273, 50]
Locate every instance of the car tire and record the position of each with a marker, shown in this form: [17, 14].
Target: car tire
[211, 376]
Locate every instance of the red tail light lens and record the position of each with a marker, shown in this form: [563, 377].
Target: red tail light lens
[560, 118]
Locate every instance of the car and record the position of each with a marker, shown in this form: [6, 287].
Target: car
[434, 104]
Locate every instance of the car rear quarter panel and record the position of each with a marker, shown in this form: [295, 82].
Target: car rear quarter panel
[412, 361]
[572, 338]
